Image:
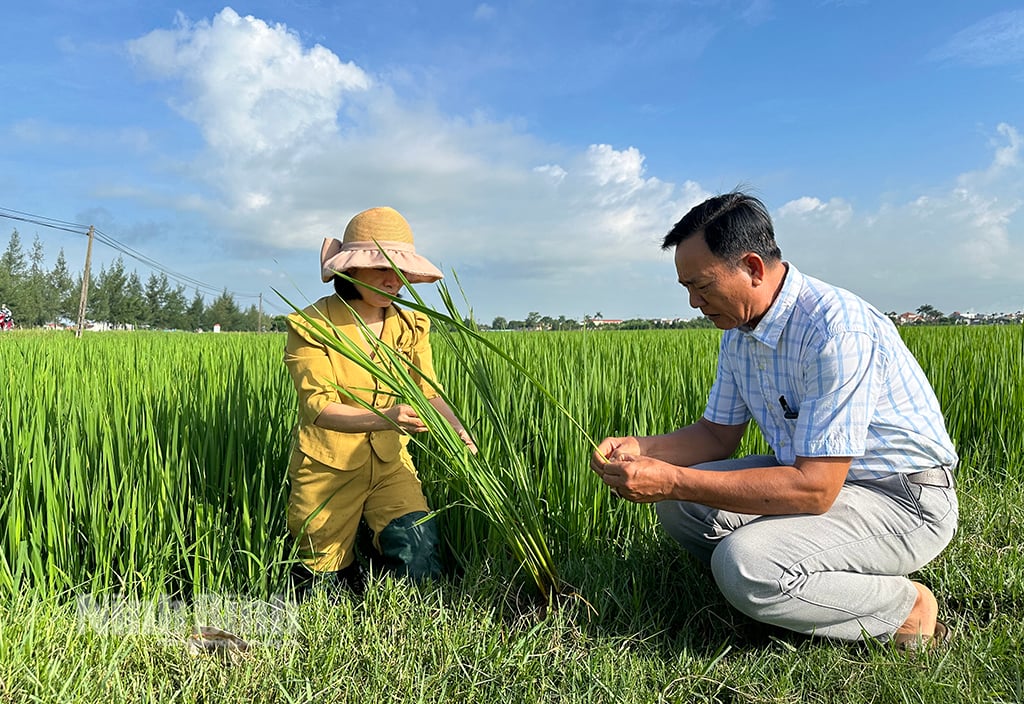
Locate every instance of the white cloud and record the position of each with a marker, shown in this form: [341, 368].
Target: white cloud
[553, 171]
[296, 141]
[801, 206]
[940, 246]
[1007, 155]
[484, 12]
[278, 171]
[250, 86]
[836, 211]
[996, 40]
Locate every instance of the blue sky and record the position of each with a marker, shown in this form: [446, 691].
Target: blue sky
[540, 150]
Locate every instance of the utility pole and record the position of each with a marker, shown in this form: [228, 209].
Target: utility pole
[84, 298]
[259, 328]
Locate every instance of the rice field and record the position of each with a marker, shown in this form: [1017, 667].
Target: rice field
[157, 461]
[154, 464]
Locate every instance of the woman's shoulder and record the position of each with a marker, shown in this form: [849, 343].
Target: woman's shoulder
[318, 313]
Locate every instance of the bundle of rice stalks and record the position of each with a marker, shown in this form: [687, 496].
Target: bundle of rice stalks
[494, 482]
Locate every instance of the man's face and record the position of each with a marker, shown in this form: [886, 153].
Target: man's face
[723, 291]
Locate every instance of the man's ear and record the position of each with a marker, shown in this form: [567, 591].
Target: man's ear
[754, 266]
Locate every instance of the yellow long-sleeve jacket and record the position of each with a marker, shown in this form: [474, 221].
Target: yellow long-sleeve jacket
[313, 366]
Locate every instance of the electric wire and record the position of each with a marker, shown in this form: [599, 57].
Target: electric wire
[109, 241]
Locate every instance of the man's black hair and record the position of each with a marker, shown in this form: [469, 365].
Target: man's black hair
[733, 224]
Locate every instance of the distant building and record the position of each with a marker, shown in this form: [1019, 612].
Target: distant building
[958, 318]
[909, 318]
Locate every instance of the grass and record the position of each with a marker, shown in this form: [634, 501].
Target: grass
[470, 640]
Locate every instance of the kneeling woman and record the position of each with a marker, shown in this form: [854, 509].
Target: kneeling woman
[350, 464]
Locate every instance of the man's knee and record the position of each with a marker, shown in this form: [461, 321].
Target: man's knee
[680, 520]
[409, 546]
[748, 576]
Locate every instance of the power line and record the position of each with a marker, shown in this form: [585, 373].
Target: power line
[79, 229]
[150, 262]
[26, 217]
[43, 217]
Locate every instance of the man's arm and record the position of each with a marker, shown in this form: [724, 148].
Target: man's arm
[809, 486]
[702, 441]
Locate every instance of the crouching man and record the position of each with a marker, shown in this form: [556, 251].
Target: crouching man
[817, 538]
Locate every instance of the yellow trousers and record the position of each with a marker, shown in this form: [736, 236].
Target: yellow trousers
[326, 504]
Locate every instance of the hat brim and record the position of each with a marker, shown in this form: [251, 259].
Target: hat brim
[371, 255]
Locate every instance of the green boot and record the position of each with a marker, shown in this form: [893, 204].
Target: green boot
[410, 549]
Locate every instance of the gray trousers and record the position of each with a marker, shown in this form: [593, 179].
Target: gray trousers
[838, 575]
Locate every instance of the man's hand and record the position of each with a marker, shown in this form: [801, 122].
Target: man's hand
[639, 479]
[406, 419]
[611, 448]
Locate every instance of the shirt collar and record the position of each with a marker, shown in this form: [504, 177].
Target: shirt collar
[769, 329]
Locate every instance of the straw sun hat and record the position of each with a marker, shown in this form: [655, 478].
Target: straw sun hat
[367, 234]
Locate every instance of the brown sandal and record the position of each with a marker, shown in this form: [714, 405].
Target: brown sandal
[914, 642]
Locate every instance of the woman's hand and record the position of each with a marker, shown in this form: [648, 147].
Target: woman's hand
[406, 419]
[467, 438]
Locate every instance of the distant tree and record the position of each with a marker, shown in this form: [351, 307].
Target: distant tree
[224, 312]
[63, 287]
[635, 324]
[499, 323]
[174, 316]
[279, 323]
[157, 290]
[12, 270]
[37, 304]
[194, 313]
[249, 321]
[133, 304]
[13, 260]
[532, 319]
[930, 312]
[111, 295]
[97, 305]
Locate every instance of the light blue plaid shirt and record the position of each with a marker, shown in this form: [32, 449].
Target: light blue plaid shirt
[844, 372]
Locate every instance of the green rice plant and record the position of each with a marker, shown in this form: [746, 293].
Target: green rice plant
[158, 461]
[611, 383]
[142, 462]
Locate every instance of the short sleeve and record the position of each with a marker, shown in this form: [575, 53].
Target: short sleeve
[310, 367]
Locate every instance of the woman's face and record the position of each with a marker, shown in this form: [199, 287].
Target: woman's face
[384, 278]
